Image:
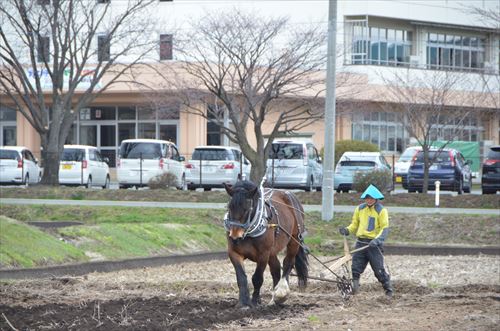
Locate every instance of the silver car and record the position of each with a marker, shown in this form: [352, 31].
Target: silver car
[294, 165]
[211, 166]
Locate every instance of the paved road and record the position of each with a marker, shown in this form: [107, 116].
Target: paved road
[204, 205]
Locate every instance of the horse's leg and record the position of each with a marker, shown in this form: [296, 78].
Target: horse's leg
[275, 268]
[258, 278]
[241, 278]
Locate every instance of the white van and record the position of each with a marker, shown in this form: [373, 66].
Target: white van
[139, 160]
[18, 166]
[83, 165]
[294, 165]
[211, 166]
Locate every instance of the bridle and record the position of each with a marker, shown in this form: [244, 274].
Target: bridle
[256, 222]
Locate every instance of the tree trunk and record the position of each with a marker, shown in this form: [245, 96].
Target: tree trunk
[50, 158]
[258, 170]
[425, 183]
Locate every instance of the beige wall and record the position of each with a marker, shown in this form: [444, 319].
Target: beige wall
[27, 136]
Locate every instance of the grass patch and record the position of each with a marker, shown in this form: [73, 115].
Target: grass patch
[125, 232]
[117, 241]
[25, 246]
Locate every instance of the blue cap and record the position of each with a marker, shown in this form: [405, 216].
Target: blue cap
[372, 191]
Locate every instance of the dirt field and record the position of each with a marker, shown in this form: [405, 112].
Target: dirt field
[431, 293]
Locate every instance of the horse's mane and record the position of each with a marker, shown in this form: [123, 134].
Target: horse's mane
[240, 193]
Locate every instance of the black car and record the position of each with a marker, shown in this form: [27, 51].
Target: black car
[449, 167]
[490, 180]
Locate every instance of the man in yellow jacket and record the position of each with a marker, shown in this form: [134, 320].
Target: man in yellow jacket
[370, 224]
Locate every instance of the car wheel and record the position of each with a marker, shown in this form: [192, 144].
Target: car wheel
[122, 186]
[39, 177]
[469, 187]
[486, 191]
[106, 183]
[411, 190]
[460, 188]
[89, 182]
[310, 185]
[318, 188]
[27, 180]
[338, 190]
[345, 191]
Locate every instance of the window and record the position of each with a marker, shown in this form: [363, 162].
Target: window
[377, 45]
[43, 49]
[214, 132]
[380, 129]
[166, 47]
[445, 51]
[103, 48]
[450, 128]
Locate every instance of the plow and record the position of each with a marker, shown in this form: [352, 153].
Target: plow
[338, 270]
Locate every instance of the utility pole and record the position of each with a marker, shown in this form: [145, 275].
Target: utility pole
[328, 174]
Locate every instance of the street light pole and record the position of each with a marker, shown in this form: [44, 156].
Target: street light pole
[328, 172]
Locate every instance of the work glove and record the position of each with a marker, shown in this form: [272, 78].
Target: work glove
[375, 242]
[344, 231]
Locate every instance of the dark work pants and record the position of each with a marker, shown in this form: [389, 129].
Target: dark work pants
[376, 259]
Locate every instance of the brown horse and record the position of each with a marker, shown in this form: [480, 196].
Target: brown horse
[259, 226]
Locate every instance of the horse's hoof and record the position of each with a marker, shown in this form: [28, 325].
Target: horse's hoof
[242, 306]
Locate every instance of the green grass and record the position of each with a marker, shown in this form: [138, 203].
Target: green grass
[25, 246]
[117, 241]
[125, 232]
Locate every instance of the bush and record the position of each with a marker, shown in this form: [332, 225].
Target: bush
[382, 179]
[343, 146]
[164, 181]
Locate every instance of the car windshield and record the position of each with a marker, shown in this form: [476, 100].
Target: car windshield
[442, 157]
[407, 154]
[139, 150]
[286, 151]
[211, 154]
[72, 154]
[357, 164]
[494, 153]
[8, 155]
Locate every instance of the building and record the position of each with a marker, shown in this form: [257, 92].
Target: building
[378, 38]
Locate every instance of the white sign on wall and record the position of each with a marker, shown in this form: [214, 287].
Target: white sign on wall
[46, 81]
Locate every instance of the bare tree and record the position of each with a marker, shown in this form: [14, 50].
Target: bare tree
[57, 56]
[251, 70]
[432, 106]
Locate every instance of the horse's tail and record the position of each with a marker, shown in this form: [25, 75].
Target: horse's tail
[302, 267]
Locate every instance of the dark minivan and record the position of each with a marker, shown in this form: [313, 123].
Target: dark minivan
[490, 179]
[448, 166]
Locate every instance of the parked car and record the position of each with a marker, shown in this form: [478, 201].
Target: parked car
[83, 165]
[140, 160]
[448, 166]
[294, 165]
[403, 164]
[211, 166]
[18, 166]
[352, 162]
[490, 179]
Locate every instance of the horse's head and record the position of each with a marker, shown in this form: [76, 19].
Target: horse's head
[241, 207]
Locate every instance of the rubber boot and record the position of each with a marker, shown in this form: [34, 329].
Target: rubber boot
[388, 289]
[355, 286]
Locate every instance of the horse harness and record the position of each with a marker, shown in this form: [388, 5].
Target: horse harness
[265, 210]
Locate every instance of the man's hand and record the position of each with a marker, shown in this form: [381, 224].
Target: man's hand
[344, 231]
[375, 242]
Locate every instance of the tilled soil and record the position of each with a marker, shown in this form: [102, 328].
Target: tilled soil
[431, 293]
